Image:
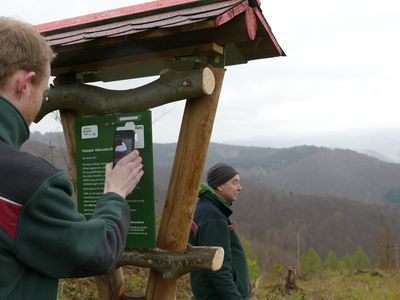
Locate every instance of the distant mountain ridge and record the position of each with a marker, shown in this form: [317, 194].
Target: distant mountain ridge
[339, 173]
[308, 170]
[382, 143]
[286, 194]
[244, 157]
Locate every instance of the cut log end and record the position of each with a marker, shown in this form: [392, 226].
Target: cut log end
[173, 264]
[208, 81]
[218, 259]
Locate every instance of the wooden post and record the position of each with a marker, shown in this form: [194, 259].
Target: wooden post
[191, 152]
[68, 123]
[111, 286]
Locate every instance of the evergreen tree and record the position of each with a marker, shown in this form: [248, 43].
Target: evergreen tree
[346, 263]
[252, 264]
[360, 259]
[311, 261]
[331, 262]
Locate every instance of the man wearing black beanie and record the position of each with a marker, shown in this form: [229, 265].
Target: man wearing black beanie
[212, 227]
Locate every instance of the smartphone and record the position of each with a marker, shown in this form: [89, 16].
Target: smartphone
[124, 143]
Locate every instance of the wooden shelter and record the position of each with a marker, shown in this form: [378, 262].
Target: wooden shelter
[144, 40]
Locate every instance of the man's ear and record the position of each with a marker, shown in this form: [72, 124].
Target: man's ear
[23, 80]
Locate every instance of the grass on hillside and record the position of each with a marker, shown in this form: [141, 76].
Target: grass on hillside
[373, 285]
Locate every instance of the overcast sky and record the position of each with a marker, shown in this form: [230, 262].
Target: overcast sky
[341, 71]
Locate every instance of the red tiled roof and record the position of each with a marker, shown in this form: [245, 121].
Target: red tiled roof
[183, 17]
[106, 43]
[110, 14]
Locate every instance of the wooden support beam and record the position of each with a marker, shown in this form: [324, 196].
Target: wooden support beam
[68, 123]
[194, 138]
[174, 264]
[111, 286]
[89, 99]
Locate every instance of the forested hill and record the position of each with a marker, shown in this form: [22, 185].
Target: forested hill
[331, 198]
[306, 170]
[272, 221]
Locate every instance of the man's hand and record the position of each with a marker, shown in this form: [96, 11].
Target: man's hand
[126, 174]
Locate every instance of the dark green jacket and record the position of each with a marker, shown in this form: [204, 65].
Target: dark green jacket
[212, 227]
[42, 237]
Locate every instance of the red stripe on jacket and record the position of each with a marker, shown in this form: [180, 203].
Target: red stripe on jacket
[9, 214]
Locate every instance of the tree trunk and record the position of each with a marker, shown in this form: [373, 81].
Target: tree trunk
[89, 99]
[185, 178]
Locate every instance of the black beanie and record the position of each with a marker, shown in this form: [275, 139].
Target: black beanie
[220, 173]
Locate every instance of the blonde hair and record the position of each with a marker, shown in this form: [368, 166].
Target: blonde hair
[22, 47]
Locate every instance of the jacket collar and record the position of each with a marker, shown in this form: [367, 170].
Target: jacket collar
[204, 187]
[13, 128]
[208, 194]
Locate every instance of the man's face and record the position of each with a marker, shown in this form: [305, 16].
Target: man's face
[35, 96]
[230, 189]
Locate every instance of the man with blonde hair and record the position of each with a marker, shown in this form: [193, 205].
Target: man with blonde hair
[42, 237]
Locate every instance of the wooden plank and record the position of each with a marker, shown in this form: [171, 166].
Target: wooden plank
[269, 31]
[133, 64]
[194, 138]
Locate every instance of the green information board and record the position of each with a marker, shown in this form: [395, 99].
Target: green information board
[95, 147]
